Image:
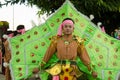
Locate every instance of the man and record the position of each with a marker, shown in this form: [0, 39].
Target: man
[21, 29]
[68, 47]
[7, 55]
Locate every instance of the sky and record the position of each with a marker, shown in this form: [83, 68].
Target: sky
[20, 14]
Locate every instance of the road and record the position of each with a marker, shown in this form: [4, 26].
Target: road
[2, 77]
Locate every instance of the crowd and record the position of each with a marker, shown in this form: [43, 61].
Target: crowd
[5, 53]
[116, 33]
[67, 46]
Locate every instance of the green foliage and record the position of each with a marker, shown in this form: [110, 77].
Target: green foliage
[86, 6]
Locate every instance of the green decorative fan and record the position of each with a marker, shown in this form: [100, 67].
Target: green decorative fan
[28, 49]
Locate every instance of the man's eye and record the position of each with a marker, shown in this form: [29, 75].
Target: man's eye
[70, 26]
[65, 26]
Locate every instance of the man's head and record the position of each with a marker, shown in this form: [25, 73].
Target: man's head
[21, 29]
[66, 27]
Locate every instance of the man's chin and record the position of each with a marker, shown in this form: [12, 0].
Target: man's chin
[68, 33]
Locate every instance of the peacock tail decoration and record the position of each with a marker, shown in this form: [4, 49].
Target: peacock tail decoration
[28, 49]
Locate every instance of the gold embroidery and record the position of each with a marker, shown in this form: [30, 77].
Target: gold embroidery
[66, 42]
[80, 40]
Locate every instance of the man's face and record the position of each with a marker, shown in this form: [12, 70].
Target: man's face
[67, 29]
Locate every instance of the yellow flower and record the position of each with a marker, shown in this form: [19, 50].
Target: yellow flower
[55, 70]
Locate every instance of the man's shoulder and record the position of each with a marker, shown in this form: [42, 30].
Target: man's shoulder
[55, 38]
[78, 39]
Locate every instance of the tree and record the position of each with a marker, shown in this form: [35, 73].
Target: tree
[106, 11]
[4, 25]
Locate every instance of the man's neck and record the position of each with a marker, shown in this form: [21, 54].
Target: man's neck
[68, 37]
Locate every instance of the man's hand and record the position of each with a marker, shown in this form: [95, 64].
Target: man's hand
[35, 70]
[94, 74]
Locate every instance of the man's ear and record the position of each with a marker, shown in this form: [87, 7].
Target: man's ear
[73, 29]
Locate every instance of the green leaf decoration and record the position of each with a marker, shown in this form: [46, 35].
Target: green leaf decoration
[28, 49]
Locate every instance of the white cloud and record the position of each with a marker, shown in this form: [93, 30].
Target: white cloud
[19, 14]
